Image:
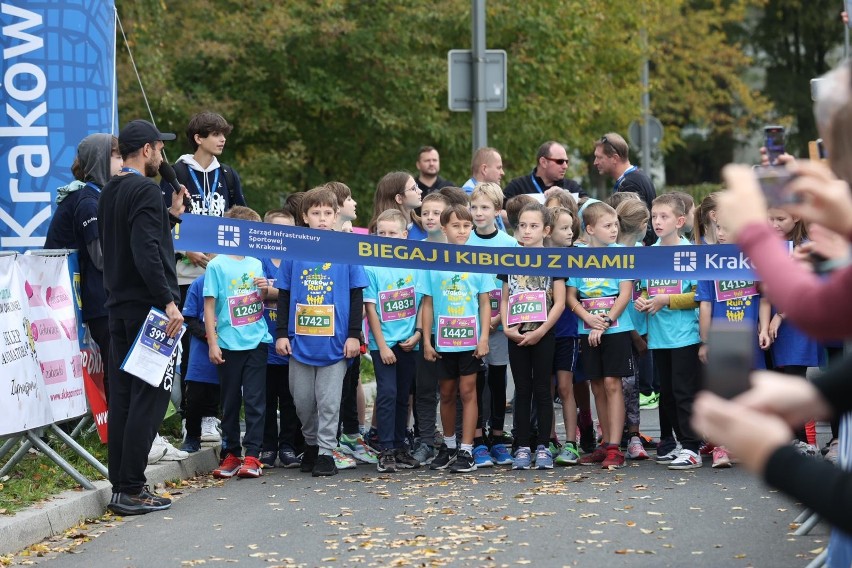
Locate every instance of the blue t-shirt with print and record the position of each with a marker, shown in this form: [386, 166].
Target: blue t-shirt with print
[498, 239]
[743, 310]
[198, 368]
[239, 308]
[416, 233]
[393, 292]
[455, 303]
[588, 288]
[270, 314]
[668, 328]
[792, 347]
[319, 308]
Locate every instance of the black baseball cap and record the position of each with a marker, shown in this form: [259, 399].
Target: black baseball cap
[137, 133]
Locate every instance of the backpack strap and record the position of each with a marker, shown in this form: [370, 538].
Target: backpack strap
[231, 183]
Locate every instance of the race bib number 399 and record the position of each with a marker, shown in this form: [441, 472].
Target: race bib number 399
[154, 336]
[315, 320]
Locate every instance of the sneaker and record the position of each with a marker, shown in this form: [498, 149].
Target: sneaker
[445, 457]
[228, 467]
[482, 457]
[139, 504]
[409, 439]
[356, 447]
[543, 458]
[598, 455]
[669, 456]
[706, 449]
[157, 451]
[287, 457]
[832, 455]
[404, 459]
[587, 439]
[309, 459]
[252, 467]
[424, 453]
[569, 455]
[209, 430]
[665, 445]
[721, 457]
[803, 448]
[191, 445]
[686, 459]
[614, 458]
[635, 449]
[372, 440]
[555, 447]
[500, 455]
[464, 462]
[324, 466]
[387, 462]
[649, 402]
[267, 458]
[172, 453]
[342, 461]
[523, 459]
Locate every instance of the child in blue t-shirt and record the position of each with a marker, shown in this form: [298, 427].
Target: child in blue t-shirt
[392, 313]
[202, 380]
[455, 306]
[673, 338]
[281, 427]
[234, 290]
[486, 202]
[319, 326]
[605, 343]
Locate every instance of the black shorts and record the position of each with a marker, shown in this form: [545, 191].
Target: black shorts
[455, 364]
[612, 358]
[565, 354]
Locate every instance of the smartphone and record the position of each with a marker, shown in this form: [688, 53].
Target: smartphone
[774, 141]
[775, 183]
[729, 358]
[816, 85]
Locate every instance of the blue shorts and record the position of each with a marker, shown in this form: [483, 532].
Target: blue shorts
[565, 354]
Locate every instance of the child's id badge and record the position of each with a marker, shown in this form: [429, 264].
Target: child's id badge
[657, 287]
[599, 306]
[315, 320]
[496, 296]
[735, 289]
[398, 304]
[457, 331]
[527, 307]
[245, 308]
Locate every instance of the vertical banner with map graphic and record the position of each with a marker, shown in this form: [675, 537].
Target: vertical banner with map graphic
[58, 86]
[53, 327]
[24, 401]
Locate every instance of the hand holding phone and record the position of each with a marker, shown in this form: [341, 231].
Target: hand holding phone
[775, 142]
[775, 183]
[729, 359]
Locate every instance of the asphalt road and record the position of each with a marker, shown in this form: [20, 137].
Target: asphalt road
[641, 515]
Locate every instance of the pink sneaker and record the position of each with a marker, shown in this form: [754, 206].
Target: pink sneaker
[721, 457]
[635, 449]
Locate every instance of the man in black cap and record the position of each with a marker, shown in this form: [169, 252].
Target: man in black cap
[139, 273]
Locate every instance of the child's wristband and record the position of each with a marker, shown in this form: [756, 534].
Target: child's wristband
[418, 330]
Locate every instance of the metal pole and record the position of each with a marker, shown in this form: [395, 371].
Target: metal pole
[80, 450]
[59, 460]
[646, 106]
[480, 116]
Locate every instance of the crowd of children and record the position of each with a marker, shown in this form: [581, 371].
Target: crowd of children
[280, 340]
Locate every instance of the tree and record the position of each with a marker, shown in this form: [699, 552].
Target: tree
[348, 90]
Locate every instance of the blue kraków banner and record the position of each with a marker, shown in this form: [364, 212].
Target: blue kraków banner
[248, 238]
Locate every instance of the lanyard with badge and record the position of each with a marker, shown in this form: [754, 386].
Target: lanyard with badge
[629, 170]
[208, 196]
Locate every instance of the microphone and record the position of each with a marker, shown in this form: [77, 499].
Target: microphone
[167, 172]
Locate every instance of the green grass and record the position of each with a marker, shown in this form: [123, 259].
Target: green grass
[36, 478]
[368, 373]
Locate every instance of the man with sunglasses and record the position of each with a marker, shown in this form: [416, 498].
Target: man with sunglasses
[612, 159]
[551, 165]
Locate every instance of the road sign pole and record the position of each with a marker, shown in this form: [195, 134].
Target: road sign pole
[480, 116]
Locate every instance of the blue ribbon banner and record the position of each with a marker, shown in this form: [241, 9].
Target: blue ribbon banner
[58, 87]
[266, 240]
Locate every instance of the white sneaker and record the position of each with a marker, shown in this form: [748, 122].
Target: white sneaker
[342, 461]
[635, 449]
[209, 431]
[171, 453]
[157, 451]
[686, 459]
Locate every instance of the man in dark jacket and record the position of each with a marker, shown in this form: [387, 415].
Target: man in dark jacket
[139, 273]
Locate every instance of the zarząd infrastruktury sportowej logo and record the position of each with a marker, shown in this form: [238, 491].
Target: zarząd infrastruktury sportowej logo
[228, 236]
[685, 261]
